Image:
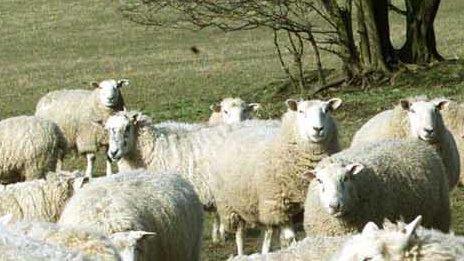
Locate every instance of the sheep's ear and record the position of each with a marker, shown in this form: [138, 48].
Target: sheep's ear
[80, 182]
[130, 243]
[370, 228]
[333, 104]
[354, 169]
[215, 107]
[95, 85]
[405, 104]
[410, 228]
[441, 104]
[122, 83]
[308, 175]
[136, 235]
[254, 106]
[292, 104]
[6, 219]
[137, 118]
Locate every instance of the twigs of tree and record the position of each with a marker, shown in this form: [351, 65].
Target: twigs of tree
[322, 25]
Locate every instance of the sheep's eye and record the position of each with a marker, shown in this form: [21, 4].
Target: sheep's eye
[226, 112]
[367, 258]
[319, 181]
[300, 111]
[412, 111]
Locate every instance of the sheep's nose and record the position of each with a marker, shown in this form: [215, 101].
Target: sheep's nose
[113, 153]
[428, 130]
[318, 129]
[335, 206]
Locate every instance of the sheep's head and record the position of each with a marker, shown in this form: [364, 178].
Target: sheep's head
[313, 119]
[424, 117]
[334, 186]
[130, 243]
[109, 91]
[376, 244]
[233, 110]
[121, 129]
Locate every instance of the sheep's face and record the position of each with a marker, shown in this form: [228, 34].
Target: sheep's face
[234, 110]
[130, 243]
[109, 91]
[121, 130]
[376, 244]
[313, 119]
[335, 187]
[424, 118]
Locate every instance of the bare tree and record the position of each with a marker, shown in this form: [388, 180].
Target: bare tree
[322, 25]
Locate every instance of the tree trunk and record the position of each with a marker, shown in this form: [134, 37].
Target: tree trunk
[377, 53]
[420, 45]
[341, 15]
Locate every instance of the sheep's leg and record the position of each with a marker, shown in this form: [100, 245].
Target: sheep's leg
[222, 233]
[287, 236]
[59, 165]
[267, 240]
[239, 239]
[109, 171]
[215, 232]
[90, 164]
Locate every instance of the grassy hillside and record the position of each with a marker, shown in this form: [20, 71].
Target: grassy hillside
[53, 44]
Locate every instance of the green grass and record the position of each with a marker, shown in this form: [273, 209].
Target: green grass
[53, 44]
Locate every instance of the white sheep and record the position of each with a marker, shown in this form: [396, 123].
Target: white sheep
[77, 111]
[74, 241]
[136, 143]
[453, 116]
[161, 203]
[256, 180]
[232, 110]
[388, 179]
[416, 118]
[309, 249]
[41, 199]
[17, 247]
[29, 148]
[402, 242]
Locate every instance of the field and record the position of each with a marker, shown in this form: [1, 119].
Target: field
[52, 44]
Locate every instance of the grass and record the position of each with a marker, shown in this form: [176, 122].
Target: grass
[53, 44]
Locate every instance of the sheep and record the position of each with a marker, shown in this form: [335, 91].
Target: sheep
[453, 116]
[29, 148]
[256, 181]
[402, 242]
[16, 247]
[161, 203]
[42, 199]
[415, 118]
[76, 240]
[308, 249]
[231, 110]
[77, 111]
[134, 142]
[388, 179]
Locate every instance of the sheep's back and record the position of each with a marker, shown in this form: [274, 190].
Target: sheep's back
[240, 157]
[193, 150]
[28, 142]
[65, 108]
[163, 203]
[309, 249]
